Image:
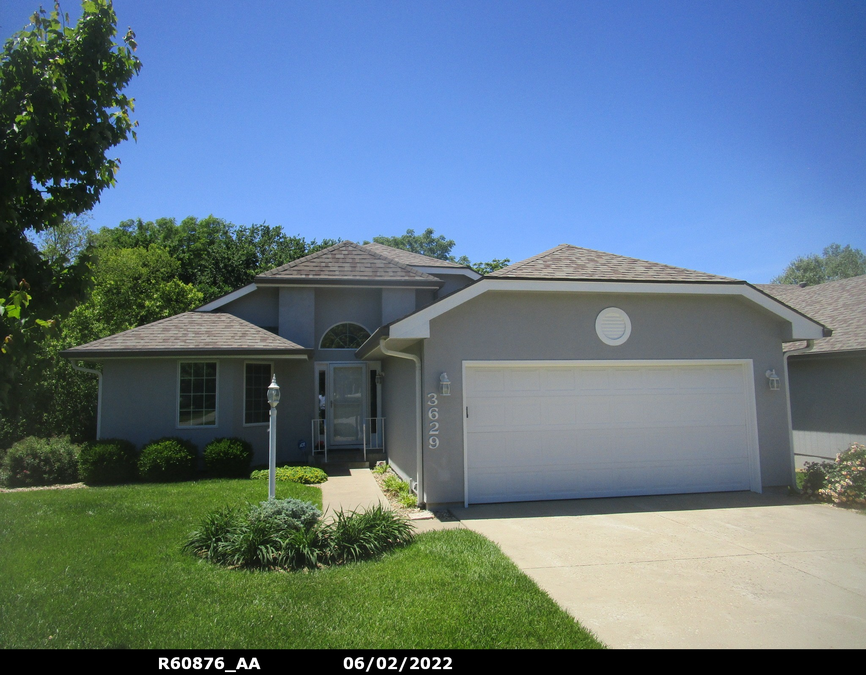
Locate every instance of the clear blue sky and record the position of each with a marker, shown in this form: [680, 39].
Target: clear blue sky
[723, 136]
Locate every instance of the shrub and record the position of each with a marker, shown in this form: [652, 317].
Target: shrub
[40, 461]
[287, 534]
[287, 514]
[840, 482]
[228, 457]
[308, 475]
[167, 460]
[108, 462]
[380, 468]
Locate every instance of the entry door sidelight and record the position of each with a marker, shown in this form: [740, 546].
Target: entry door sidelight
[347, 404]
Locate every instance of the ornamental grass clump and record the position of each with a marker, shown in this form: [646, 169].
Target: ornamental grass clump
[289, 534]
[841, 482]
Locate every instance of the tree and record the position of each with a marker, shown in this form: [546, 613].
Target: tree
[61, 109]
[62, 245]
[835, 263]
[427, 243]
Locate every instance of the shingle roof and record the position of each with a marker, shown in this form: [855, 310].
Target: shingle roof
[347, 261]
[409, 258]
[840, 305]
[572, 262]
[190, 333]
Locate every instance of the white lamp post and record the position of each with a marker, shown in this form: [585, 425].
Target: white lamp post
[273, 399]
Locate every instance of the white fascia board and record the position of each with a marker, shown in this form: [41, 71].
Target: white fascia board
[418, 325]
[434, 270]
[226, 299]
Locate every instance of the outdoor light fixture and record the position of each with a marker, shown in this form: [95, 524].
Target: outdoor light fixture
[273, 399]
[773, 379]
[380, 377]
[444, 385]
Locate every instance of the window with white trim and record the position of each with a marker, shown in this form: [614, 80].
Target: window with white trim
[344, 336]
[257, 377]
[197, 394]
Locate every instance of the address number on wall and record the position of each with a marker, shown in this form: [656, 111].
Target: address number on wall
[432, 423]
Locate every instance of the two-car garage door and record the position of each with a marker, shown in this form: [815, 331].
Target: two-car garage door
[563, 429]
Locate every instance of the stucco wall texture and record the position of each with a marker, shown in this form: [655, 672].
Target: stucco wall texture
[506, 325]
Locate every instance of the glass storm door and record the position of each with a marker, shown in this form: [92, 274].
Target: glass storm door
[347, 403]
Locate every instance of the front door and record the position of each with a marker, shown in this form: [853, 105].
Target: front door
[347, 404]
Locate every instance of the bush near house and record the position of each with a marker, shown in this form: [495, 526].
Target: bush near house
[400, 489]
[36, 461]
[308, 475]
[841, 482]
[108, 462]
[228, 457]
[288, 534]
[167, 460]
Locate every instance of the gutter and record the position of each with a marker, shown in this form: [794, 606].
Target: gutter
[98, 374]
[793, 352]
[419, 416]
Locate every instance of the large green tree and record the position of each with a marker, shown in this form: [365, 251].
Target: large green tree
[836, 262]
[214, 255]
[427, 243]
[62, 108]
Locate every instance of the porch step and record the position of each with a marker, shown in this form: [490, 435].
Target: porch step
[346, 459]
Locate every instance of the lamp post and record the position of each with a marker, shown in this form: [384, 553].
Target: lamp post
[273, 399]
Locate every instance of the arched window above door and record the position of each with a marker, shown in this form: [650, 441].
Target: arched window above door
[344, 336]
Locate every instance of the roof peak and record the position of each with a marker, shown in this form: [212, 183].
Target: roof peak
[567, 261]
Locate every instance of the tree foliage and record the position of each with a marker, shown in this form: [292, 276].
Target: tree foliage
[427, 243]
[214, 255]
[61, 110]
[835, 263]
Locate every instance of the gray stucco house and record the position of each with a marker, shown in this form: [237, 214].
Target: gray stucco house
[574, 373]
[828, 376]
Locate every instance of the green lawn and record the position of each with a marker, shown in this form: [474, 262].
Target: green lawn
[103, 567]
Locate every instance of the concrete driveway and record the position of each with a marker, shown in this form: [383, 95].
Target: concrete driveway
[725, 570]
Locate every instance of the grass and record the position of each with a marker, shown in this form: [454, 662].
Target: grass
[103, 567]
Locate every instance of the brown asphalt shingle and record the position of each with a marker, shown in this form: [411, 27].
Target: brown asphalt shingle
[347, 261]
[839, 305]
[190, 333]
[409, 258]
[572, 262]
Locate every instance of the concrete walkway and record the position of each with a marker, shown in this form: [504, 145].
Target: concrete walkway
[354, 489]
[351, 490]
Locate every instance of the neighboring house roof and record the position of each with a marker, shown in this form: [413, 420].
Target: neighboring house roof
[572, 262]
[840, 305]
[348, 262]
[190, 333]
[409, 258]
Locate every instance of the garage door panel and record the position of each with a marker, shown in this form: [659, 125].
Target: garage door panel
[609, 430]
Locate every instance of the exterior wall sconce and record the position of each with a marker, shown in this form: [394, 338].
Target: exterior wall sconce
[773, 379]
[380, 377]
[444, 385]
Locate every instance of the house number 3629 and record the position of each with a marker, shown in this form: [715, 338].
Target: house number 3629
[433, 416]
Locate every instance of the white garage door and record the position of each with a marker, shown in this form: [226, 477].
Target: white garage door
[564, 430]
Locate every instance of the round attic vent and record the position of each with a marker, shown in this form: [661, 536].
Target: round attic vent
[613, 326]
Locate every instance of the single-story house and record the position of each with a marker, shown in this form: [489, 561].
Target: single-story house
[828, 376]
[573, 373]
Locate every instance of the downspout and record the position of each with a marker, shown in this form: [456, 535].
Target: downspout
[98, 374]
[793, 352]
[419, 414]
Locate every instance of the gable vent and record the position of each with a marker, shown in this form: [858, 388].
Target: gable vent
[613, 326]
